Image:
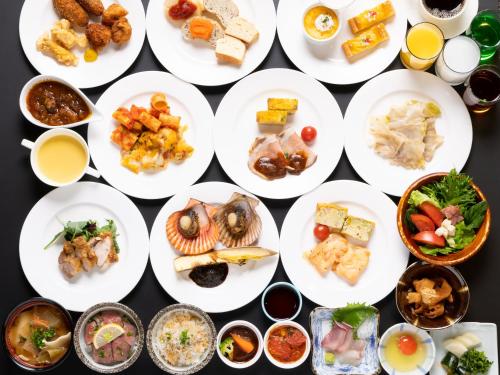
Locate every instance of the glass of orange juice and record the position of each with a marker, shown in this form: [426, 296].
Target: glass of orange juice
[422, 46]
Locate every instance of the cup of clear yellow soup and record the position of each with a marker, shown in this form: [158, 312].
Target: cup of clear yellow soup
[320, 23]
[60, 157]
[423, 44]
[406, 350]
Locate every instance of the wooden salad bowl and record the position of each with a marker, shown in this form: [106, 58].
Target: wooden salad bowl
[442, 260]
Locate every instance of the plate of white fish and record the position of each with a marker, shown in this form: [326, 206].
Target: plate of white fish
[403, 125]
[84, 244]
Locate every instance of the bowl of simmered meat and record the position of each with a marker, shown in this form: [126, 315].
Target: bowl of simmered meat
[239, 344]
[37, 334]
[431, 296]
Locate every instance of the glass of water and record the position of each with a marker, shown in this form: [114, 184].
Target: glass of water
[459, 57]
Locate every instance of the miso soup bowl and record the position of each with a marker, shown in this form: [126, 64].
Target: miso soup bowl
[23, 104]
[37, 301]
[240, 365]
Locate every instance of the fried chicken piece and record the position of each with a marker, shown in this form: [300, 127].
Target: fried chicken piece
[94, 7]
[112, 14]
[98, 35]
[72, 11]
[121, 31]
[65, 36]
[62, 55]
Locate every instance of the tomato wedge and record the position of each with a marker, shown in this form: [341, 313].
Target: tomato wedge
[422, 222]
[428, 237]
[432, 212]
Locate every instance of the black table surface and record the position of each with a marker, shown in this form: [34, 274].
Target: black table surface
[20, 190]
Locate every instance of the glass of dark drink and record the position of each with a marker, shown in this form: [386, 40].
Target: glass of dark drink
[482, 89]
[442, 10]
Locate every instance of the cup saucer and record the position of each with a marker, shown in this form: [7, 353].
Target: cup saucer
[450, 29]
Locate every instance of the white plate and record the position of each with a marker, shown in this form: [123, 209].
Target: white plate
[394, 88]
[328, 62]
[38, 17]
[243, 283]
[78, 202]
[236, 129]
[449, 29]
[486, 332]
[388, 258]
[186, 101]
[196, 62]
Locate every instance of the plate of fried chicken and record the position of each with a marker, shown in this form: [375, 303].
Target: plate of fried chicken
[86, 42]
[84, 244]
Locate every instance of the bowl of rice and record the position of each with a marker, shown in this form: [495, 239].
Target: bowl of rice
[181, 339]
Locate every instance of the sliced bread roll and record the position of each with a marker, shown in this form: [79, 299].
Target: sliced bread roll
[242, 29]
[230, 50]
[224, 10]
[191, 26]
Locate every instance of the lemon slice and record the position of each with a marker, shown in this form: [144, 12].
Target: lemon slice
[106, 334]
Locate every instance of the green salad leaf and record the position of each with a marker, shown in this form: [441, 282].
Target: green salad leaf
[474, 216]
[353, 314]
[417, 198]
[475, 362]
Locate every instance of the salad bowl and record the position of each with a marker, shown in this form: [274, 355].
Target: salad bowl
[450, 259]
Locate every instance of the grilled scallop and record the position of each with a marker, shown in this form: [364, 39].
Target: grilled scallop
[192, 230]
[239, 225]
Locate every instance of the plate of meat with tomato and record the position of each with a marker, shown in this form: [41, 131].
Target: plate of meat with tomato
[444, 218]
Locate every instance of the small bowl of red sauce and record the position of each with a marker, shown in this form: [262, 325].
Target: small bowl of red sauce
[281, 301]
[287, 344]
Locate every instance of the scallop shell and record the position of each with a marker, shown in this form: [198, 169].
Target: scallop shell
[253, 230]
[207, 236]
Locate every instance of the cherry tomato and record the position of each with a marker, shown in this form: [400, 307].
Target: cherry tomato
[429, 238]
[407, 345]
[309, 133]
[321, 232]
[422, 222]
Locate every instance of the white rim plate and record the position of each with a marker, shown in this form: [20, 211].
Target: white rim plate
[486, 332]
[450, 29]
[328, 62]
[236, 129]
[78, 202]
[388, 258]
[196, 62]
[243, 283]
[186, 101]
[38, 17]
[393, 88]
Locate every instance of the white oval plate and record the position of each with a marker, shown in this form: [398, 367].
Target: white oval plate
[328, 62]
[236, 129]
[486, 332]
[38, 17]
[78, 202]
[186, 101]
[243, 283]
[196, 62]
[393, 88]
[388, 258]
[449, 29]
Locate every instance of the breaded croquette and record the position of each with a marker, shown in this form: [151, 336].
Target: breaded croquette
[72, 11]
[62, 55]
[121, 31]
[112, 14]
[94, 7]
[98, 35]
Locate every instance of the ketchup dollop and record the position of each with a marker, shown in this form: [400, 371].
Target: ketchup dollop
[182, 10]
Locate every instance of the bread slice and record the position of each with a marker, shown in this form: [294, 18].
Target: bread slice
[217, 32]
[224, 10]
[242, 29]
[230, 50]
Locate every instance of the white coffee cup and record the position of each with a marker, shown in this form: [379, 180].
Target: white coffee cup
[35, 147]
[428, 16]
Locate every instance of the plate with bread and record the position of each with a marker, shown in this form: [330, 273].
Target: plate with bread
[342, 244]
[278, 133]
[211, 42]
[342, 46]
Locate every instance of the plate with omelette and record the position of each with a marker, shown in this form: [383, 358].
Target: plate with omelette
[342, 46]
[342, 244]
